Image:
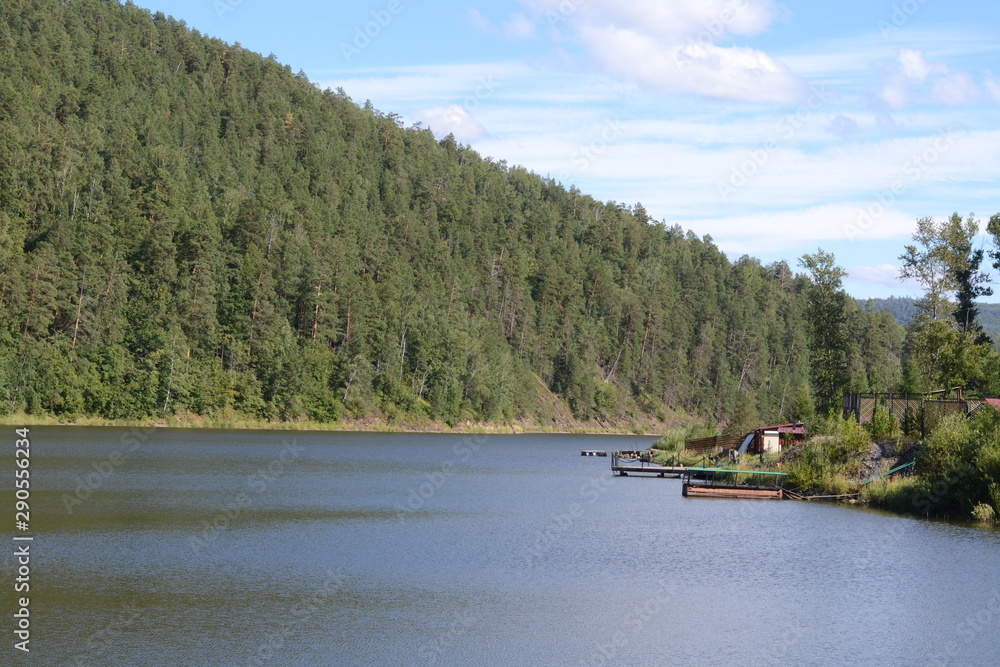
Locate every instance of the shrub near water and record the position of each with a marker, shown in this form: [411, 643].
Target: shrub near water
[848, 442]
[884, 426]
[816, 473]
[984, 513]
[827, 463]
[946, 464]
[672, 440]
[957, 472]
[671, 444]
[987, 460]
[899, 494]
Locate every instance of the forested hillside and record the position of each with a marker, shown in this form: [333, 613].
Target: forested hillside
[906, 310]
[903, 309]
[187, 227]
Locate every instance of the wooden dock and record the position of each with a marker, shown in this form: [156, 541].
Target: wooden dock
[703, 481]
[633, 463]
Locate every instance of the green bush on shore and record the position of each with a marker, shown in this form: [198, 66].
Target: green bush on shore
[898, 494]
[984, 512]
[828, 462]
[817, 472]
[957, 473]
[884, 427]
[960, 463]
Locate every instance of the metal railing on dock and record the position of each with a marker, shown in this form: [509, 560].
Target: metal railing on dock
[625, 463]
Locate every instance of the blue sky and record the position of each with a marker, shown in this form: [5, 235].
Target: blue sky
[774, 127]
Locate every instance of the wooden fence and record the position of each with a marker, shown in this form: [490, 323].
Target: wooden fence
[702, 445]
[915, 414]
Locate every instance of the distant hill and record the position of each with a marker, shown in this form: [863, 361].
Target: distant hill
[904, 309]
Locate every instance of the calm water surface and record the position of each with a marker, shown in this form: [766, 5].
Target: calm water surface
[194, 547]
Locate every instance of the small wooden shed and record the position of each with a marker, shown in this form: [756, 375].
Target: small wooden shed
[774, 439]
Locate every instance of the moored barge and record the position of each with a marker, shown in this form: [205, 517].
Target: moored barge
[727, 483]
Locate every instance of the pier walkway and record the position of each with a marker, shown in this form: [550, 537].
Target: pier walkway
[626, 463]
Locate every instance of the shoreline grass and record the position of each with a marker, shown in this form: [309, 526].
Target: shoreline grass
[344, 426]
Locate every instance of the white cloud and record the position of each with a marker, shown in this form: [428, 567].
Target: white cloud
[731, 73]
[452, 119]
[706, 20]
[916, 80]
[913, 65]
[843, 127]
[674, 46]
[883, 274]
[896, 94]
[478, 20]
[812, 171]
[955, 88]
[783, 230]
[519, 27]
[911, 69]
[992, 87]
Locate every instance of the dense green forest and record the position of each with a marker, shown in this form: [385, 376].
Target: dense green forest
[188, 228]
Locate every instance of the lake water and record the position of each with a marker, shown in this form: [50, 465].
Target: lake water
[199, 547]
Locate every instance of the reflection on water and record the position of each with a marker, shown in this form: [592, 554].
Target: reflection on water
[245, 548]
